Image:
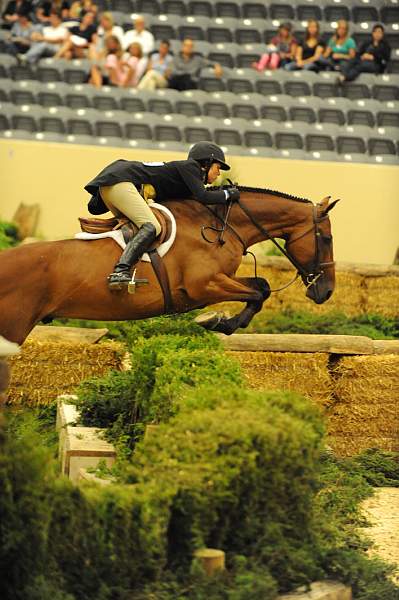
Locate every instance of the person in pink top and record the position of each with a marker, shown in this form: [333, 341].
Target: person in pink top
[280, 51]
[119, 69]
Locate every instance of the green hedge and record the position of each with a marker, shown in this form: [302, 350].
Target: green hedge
[163, 368]
[8, 235]
[228, 467]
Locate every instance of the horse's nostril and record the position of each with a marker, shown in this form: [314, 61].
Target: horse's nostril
[329, 294]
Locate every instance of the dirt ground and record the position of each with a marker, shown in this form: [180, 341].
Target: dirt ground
[382, 511]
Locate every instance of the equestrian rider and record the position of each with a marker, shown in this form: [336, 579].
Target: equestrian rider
[117, 188]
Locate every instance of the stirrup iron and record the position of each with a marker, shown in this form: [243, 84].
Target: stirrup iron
[133, 283]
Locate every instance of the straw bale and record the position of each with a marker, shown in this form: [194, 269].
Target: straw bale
[349, 295]
[305, 373]
[43, 370]
[350, 445]
[366, 408]
[367, 379]
[383, 295]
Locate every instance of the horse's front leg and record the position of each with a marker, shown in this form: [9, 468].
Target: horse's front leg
[253, 291]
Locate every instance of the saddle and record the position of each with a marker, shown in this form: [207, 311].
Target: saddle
[129, 229]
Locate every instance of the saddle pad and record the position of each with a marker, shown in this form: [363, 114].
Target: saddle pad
[117, 235]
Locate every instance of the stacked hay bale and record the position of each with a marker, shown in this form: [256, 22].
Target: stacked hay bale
[350, 296]
[305, 373]
[382, 295]
[365, 413]
[43, 370]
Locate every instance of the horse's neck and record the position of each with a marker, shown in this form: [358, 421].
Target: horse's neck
[277, 214]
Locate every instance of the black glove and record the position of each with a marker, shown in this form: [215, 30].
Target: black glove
[233, 193]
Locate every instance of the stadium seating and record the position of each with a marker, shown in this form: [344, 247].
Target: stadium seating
[277, 114]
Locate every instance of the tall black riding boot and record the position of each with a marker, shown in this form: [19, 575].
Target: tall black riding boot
[134, 250]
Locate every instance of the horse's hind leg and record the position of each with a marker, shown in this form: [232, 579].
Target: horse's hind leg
[250, 289]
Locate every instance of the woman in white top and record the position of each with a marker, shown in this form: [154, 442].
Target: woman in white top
[106, 27]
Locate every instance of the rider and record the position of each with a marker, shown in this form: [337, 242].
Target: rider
[117, 188]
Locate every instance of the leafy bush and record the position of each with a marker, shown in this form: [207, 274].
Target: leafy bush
[163, 367]
[8, 235]
[289, 321]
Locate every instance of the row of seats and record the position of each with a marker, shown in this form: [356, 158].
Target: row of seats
[178, 128]
[220, 105]
[247, 31]
[328, 10]
[237, 81]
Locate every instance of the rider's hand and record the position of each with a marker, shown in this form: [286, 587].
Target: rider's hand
[233, 193]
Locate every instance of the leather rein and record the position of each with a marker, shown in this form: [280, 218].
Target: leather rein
[310, 276]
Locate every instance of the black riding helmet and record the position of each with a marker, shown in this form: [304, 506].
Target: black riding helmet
[210, 153]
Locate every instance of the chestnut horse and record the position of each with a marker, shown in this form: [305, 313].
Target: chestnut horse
[68, 278]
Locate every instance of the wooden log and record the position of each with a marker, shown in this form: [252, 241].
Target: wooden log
[26, 218]
[365, 269]
[70, 335]
[83, 448]
[85, 475]
[211, 560]
[386, 346]
[293, 342]
[320, 590]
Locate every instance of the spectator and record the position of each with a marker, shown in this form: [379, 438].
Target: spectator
[372, 57]
[81, 7]
[10, 13]
[80, 36]
[141, 35]
[186, 67]
[280, 51]
[20, 34]
[49, 41]
[106, 27]
[309, 50]
[340, 48]
[136, 63]
[158, 69]
[121, 70]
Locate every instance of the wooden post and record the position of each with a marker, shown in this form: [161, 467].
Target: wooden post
[149, 430]
[211, 560]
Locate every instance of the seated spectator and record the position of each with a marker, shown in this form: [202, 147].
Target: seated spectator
[10, 13]
[158, 69]
[340, 48]
[20, 34]
[48, 41]
[140, 35]
[372, 57]
[309, 50]
[105, 28]
[280, 51]
[47, 6]
[121, 70]
[79, 38]
[136, 63]
[186, 67]
[81, 7]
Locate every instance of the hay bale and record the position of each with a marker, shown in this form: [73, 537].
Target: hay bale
[43, 370]
[305, 373]
[349, 297]
[365, 412]
[382, 295]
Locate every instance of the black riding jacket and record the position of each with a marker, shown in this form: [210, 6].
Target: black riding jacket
[178, 179]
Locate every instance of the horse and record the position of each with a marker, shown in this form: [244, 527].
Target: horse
[68, 278]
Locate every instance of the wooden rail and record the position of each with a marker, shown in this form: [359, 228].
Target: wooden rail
[295, 342]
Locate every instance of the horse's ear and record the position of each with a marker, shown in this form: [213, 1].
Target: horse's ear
[330, 206]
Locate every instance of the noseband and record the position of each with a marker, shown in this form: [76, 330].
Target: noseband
[316, 271]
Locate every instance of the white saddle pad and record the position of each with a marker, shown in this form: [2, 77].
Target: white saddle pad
[117, 235]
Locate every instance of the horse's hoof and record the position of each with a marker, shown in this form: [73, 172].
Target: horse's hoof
[209, 320]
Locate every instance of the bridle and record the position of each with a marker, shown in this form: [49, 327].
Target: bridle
[311, 275]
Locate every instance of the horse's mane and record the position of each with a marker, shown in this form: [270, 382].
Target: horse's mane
[243, 188]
